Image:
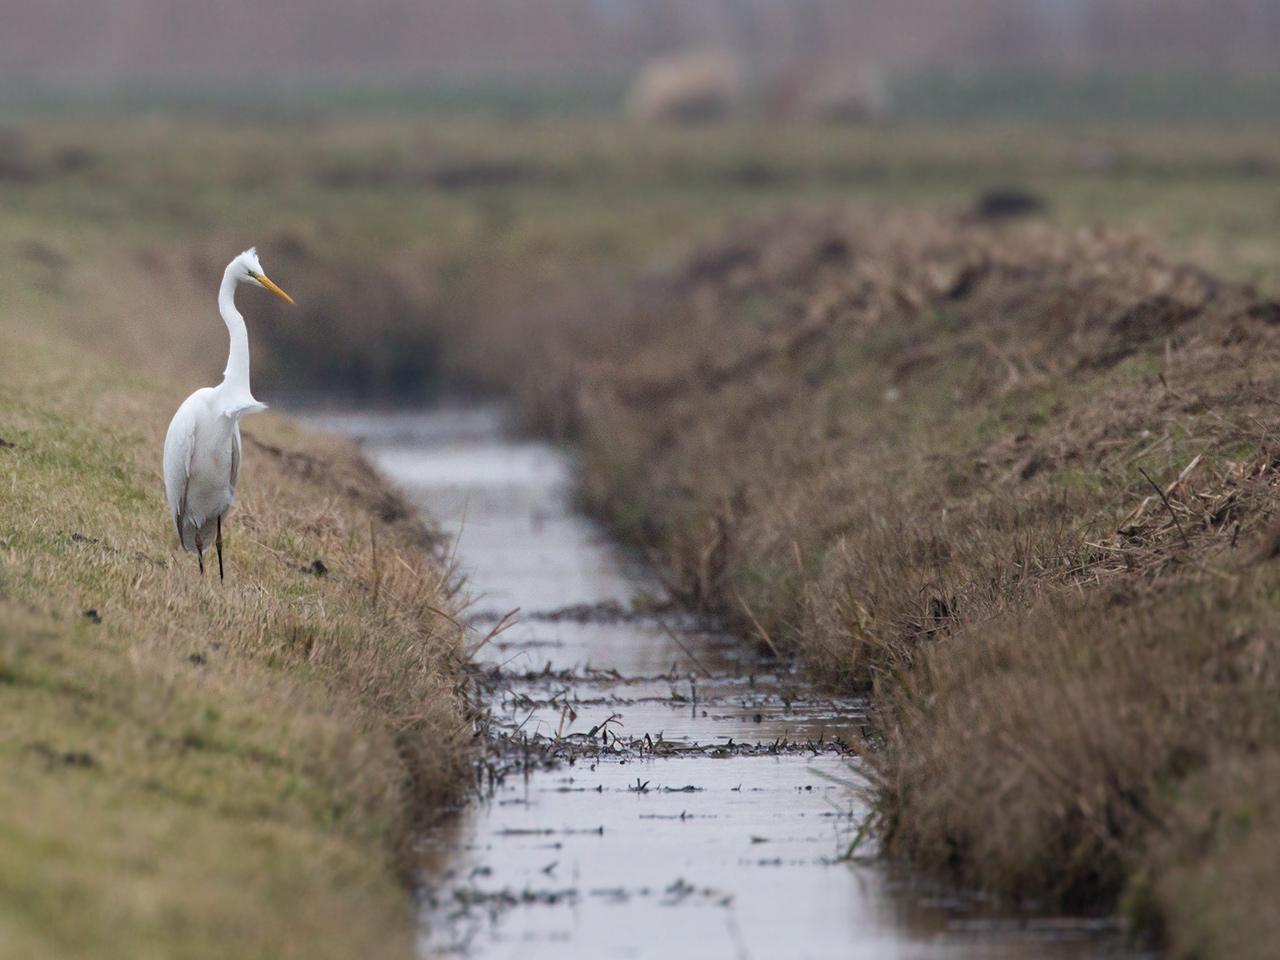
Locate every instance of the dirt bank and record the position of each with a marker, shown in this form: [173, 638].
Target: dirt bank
[1017, 481]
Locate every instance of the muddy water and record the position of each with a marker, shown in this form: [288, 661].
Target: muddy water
[651, 789]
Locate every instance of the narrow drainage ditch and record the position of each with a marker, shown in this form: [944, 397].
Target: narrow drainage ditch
[650, 787]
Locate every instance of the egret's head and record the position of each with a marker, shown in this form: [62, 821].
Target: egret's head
[247, 269]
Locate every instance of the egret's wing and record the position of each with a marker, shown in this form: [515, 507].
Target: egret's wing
[179, 445]
[235, 458]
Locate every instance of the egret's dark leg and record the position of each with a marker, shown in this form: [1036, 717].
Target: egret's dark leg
[200, 552]
[220, 576]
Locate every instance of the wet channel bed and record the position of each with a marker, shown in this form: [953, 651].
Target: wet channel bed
[650, 787]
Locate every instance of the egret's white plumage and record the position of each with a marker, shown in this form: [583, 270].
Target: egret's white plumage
[202, 447]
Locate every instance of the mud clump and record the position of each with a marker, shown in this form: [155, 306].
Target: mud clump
[1008, 203]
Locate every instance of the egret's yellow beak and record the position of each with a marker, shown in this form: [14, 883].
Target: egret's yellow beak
[270, 285]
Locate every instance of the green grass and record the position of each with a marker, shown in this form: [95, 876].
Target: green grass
[594, 192]
[176, 777]
[141, 820]
[1139, 95]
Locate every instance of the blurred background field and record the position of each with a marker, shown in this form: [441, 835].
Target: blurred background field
[444, 154]
[407, 226]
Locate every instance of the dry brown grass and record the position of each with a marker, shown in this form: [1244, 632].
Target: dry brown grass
[197, 768]
[923, 454]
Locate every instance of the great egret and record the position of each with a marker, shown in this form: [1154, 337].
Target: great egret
[202, 447]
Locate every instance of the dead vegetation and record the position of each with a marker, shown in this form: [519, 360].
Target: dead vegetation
[1019, 481]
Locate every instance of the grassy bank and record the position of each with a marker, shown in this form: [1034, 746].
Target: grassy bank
[189, 768]
[1018, 481]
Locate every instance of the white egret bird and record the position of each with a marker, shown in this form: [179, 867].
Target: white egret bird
[202, 447]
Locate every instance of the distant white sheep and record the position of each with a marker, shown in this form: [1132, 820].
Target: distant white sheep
[699, 86]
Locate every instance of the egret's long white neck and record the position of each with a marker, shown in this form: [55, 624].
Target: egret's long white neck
[236, 376]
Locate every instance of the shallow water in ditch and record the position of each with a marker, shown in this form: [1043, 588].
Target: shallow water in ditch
[652, 788]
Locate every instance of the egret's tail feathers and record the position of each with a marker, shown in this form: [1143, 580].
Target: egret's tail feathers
[195, 539]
